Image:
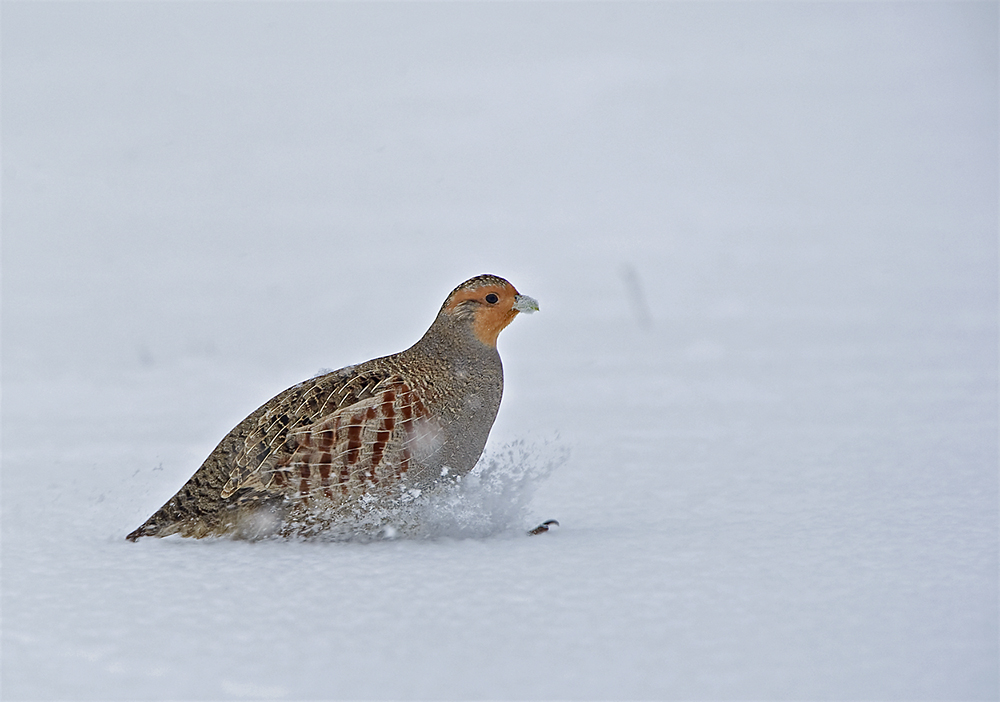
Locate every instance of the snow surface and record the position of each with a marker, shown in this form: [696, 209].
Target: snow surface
[764, 240]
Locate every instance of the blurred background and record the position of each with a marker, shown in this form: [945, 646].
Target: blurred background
[291, 162]
[764, 240]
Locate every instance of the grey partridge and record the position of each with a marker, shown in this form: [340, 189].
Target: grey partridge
[362, 435]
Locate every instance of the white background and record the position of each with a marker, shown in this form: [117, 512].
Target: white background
[764, 239]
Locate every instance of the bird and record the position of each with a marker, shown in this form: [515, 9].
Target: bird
[365, 435]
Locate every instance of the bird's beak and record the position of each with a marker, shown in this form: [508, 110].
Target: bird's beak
[523, 303]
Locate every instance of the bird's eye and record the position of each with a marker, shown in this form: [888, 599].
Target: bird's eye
[492, 298]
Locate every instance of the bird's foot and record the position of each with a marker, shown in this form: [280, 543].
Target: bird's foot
[543, 527]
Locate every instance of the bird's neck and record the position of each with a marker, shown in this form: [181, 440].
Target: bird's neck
[454, 342]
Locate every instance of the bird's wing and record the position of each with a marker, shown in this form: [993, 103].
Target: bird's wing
[336, 439]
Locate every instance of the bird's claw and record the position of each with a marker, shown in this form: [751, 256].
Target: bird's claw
[543, 527]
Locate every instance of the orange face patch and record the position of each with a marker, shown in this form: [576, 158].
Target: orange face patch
[493, 307]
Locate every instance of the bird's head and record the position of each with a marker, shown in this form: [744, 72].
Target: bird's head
[488, 303]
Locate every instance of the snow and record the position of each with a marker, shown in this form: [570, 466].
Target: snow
[760, 396]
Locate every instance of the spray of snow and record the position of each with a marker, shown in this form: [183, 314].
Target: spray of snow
[425, 439]
[492, 499]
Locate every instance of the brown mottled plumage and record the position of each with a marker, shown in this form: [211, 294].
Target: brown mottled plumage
[363, 434]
